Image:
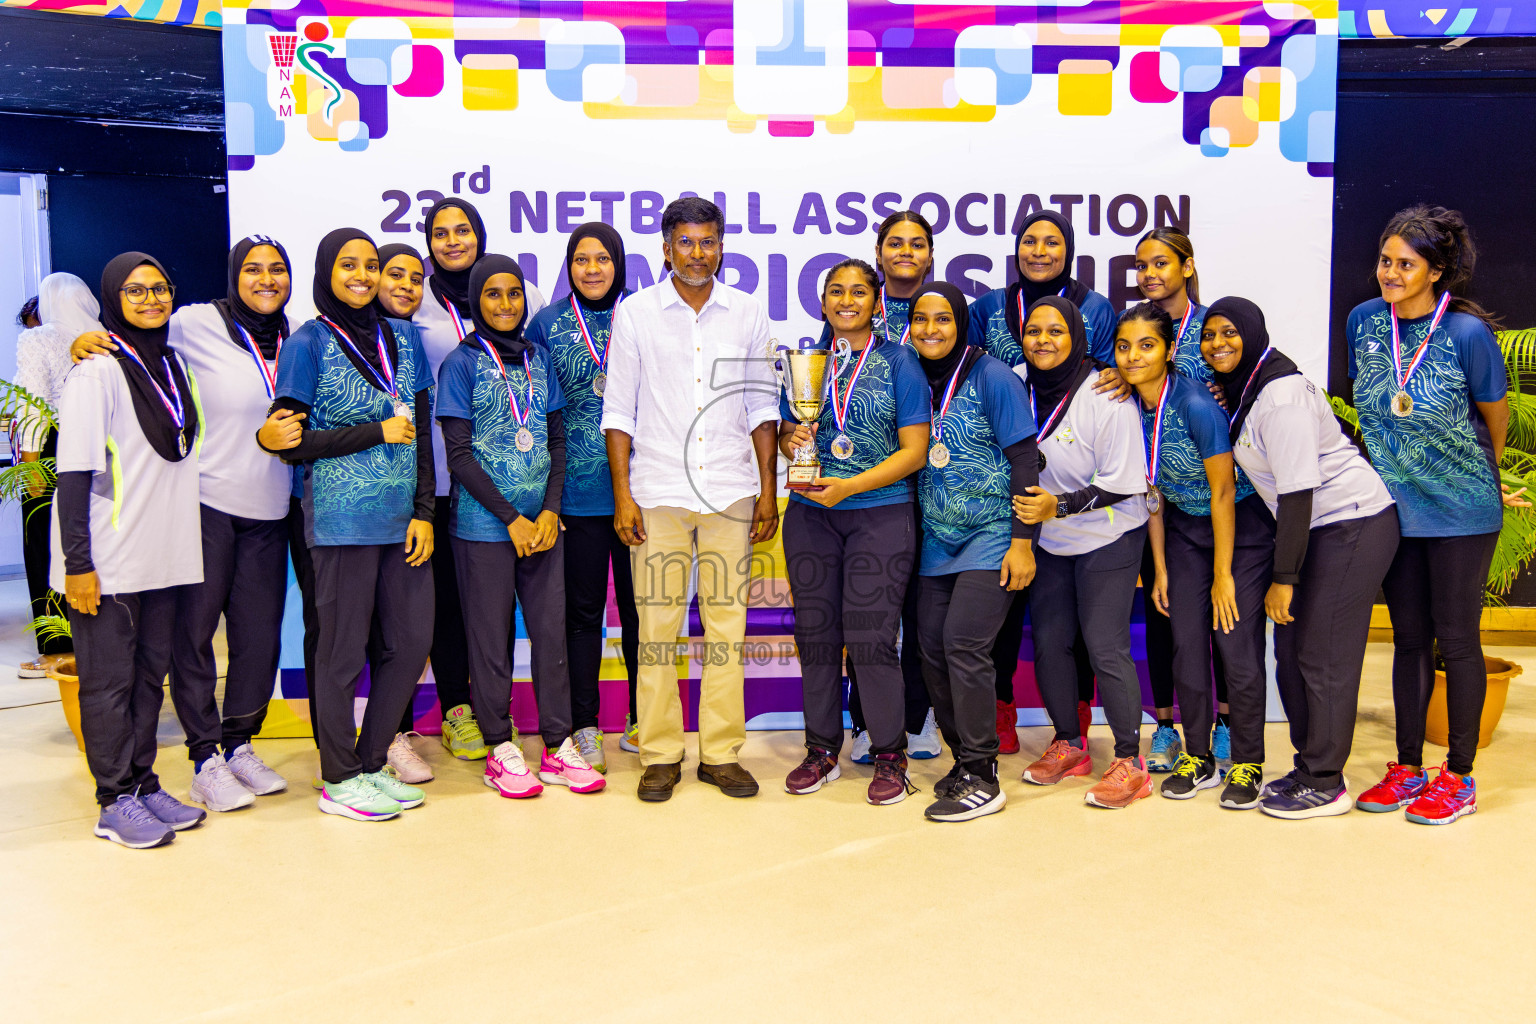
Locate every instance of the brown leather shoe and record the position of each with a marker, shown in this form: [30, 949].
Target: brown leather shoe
[733, 779]
[657, 782]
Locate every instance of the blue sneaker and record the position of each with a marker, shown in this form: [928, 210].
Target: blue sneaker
[1166, 748]
[1221, 748]
[128, 823]
[1299, 800]
[172, 811]
[860, 753]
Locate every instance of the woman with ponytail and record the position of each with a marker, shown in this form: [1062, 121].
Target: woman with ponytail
[1430, 387]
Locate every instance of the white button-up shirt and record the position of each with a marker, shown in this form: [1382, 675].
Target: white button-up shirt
[689, 388]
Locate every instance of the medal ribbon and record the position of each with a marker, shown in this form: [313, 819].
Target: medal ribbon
[519, 414]
[949, 396]
[885, 322]
[172, 402]
[840, 409]
[1044, 429]
[1257, 367]
[1178, 335]
[385, 383]
[1155, 442]
[268, 377]
[1418, 356]
[454, 318]
[586, 336]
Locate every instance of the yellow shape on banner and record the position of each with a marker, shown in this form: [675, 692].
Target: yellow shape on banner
[322, 130]
[490, 81]
[1261, 94]
[1378, 22]
[300, 89]
[284, 721]
[1085, 88]
[1228, 112]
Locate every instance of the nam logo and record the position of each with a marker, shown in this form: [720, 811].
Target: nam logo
[286, 48]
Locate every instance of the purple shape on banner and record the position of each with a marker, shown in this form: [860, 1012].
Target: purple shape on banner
[242, 162]
[372, 100]
[1047, 59]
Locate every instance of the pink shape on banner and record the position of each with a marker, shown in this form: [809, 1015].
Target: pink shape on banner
[1146, 83]
[791, 129]
[426, 73]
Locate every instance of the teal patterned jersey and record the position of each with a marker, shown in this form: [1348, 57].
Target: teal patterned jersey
[1194, 429]
[1187, 359]
[891, 393]
[472, 388]
[588, 484]
[367, 497]
[967, 508]
[1437, 462]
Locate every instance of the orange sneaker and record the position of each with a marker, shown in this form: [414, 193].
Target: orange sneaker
[1060, 760]
[1126, 781]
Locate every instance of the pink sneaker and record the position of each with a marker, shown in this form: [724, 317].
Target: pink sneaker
[568, 768]
[508, 774]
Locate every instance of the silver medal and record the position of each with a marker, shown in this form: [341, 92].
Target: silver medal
[599, 384]
[938, 455]
[401, 409]
[524, 439]
[842, 447]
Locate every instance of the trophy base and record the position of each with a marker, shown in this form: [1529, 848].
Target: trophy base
[801, 477]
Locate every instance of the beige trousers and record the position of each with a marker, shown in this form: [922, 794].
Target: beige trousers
[663, 565]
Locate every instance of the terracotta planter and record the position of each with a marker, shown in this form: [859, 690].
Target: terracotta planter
[69, 695]
[1500, 672]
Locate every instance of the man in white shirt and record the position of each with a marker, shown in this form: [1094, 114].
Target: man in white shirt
[694, 466]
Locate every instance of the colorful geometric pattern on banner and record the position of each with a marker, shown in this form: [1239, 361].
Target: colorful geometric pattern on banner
[191, 13]
[1419, 19]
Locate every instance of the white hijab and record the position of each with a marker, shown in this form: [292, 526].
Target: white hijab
[66, 301]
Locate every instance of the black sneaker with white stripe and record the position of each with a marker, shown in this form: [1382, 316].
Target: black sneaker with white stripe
[970, 797]
[948, 782]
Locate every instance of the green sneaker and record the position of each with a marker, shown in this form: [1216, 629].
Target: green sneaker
[461, 734]
[357, 798]
[630, 741]
[387, 781]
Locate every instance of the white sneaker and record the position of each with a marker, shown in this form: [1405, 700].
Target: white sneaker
[861, 754]
[406, 762]
[589, 742]
[216, 788]
[923, 745]
[253, 772]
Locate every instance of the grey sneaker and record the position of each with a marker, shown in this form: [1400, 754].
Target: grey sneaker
[926, 744]
[172, 811]
[253, 772]
[127, 822]
[589, 744]
[216, 788]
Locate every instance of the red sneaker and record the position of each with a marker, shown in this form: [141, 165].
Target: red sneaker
[1444, 800]
[1007, 728]
[1084, 718]
[1396, 790]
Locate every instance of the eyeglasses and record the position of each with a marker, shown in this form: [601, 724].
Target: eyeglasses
[138, 294]
[704, 245]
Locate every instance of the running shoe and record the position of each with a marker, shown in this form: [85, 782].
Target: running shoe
[1060, 760]
[1007, 728]
[507, 773]
[589, 743]
[358, 799]
[407, 764]
[1397, 789]
[1242, 789]
[461, 734]
[944, 786]
[216, 788]
[1166, 748]
[566, 767]
[127, 822]
[1190, 775]
[387, 781]
[925, 744]
[971, 797]
[1445, 799]
[890, 784]
[1299, 801]
[818, 768]
[860, 753]
[1126, 781]
[630, 741]
[253, 772]
[1221, 747]
[172, 811]
[1276, 785]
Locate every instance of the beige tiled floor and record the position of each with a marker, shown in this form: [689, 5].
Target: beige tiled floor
[601, 908]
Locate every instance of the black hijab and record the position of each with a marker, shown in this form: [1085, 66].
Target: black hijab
[387, 254]
[1063, 380]
[939, 371]
[160, 367]
[615, 246]
[510, 344]
[1248, 318]
[362, 325]
[1033, 291]
[453, 285]
[267, 328]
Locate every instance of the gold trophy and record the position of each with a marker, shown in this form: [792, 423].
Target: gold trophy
[803, 376]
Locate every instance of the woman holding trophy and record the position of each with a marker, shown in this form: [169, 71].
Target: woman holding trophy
[855, 426]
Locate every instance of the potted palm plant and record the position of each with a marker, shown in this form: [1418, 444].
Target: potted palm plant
[22, 480]
[1517, 536]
